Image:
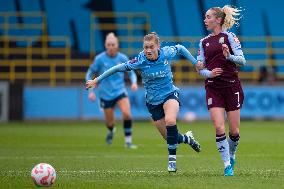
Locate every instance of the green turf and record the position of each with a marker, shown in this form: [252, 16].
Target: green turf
[82, 160]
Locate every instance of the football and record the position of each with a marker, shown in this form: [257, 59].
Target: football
[189, 116]
[43, 174]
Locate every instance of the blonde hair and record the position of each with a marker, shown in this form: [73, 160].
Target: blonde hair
[229, 15]
[152, 36]
[111, 35]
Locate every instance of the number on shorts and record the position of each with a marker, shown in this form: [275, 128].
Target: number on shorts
[238, 96]
[176, 94]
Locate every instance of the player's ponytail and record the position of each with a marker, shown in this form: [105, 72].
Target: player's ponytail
[229, 15]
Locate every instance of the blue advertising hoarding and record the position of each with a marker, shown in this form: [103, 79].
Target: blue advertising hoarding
[73, 103]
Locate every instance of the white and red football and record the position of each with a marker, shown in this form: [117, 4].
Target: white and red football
[43, 174]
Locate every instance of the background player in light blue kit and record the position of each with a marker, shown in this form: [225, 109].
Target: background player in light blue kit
[162, 97]
[112, 91]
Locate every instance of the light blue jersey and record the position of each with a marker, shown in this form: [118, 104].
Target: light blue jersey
[156, 75]
[114, 85]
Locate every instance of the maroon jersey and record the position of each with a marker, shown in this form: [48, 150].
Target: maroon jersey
[211, 54]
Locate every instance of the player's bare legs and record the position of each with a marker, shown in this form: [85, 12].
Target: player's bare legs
[182, 138]
[218, 119]
[168, 129]
[124, 106]
[109, 119]
[234, 134]
[161, 126]
[234, 122]
[171, 108]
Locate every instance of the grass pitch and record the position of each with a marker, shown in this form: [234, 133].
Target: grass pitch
[78, 152]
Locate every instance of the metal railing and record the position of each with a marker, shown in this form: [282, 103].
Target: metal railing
[48, 58]
[29, 62]
[37, 21]
[129, 27]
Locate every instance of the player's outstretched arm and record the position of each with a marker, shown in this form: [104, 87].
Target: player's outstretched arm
[94, 83]
[182, 50]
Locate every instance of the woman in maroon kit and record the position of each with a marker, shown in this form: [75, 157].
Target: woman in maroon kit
[222, 50]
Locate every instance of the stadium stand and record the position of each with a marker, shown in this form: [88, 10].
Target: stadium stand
[54, 42]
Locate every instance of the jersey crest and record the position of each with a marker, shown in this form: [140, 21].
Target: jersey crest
[236, 40]
[221, 40]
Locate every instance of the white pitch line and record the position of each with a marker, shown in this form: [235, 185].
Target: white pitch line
[113, 171]
[90, 156]
[258, 171]
[103, 155]
[93, 171]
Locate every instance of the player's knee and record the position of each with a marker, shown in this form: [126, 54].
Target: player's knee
[126, 115]
[220, 128]
[170, 120]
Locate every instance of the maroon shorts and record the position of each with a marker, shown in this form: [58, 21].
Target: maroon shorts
[230, 98]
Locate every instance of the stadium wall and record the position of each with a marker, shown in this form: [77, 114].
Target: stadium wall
[72, 103]
[4, 100]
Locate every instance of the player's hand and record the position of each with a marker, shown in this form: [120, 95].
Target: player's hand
[216, 72]
[226, 51]
[91, 83]
[199, 66]
[134, 87]
[92, 96]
